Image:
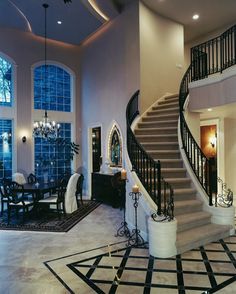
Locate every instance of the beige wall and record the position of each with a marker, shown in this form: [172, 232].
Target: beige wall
[110, 75]
[193, 122]
[216, 90]
[161, 51]
[230, 153]
[26, 49]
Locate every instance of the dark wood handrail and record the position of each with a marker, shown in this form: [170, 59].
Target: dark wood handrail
[147, 169]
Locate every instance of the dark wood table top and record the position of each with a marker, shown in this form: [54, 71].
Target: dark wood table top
[40, 187]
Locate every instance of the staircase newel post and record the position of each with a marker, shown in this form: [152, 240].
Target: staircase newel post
[159, 187]
[210, 181]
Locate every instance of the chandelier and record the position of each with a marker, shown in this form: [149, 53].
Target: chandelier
[45, 128]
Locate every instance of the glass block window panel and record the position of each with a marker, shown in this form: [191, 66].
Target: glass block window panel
[5, 83]
[54, 93]
[52, 157]
[5, 148]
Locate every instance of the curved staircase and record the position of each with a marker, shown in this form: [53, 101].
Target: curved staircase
[157, 133]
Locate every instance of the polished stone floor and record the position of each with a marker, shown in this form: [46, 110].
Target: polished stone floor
[90, 259]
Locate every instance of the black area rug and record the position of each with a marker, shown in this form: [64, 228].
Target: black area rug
[48, 221]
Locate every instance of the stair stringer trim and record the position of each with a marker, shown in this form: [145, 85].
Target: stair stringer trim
[220, 215]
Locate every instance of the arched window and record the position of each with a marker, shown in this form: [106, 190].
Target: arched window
[5, 82]
[51, 159]
[6, 123]
[58, 88]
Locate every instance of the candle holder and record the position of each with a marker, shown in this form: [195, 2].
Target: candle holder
[135, 239]
[119, 182]
[123, 229]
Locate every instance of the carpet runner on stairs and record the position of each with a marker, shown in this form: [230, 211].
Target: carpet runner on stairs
[157, 132]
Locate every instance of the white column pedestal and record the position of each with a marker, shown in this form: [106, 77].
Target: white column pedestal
[162, 238]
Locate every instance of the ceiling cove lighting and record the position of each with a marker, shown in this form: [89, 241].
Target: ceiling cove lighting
[45, 128]
[195, 16]
[22, 14]
[97, 9]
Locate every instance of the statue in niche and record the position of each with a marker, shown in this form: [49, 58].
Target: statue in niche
[115, 145]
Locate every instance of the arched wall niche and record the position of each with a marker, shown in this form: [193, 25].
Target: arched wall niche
[115, 146]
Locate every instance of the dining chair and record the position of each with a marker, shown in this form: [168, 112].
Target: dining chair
[31, 179]
[4, 198]
[70, 199]
[15, 195]
[19, 178]
[79, 189]
[56, 200]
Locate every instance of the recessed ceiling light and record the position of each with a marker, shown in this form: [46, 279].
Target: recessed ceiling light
[209, 109]
[196, 16]
[59, 22]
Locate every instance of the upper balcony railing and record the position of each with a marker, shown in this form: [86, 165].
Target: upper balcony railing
[214, 55]
[207, 58]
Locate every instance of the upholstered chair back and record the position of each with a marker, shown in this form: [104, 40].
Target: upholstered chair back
[70, 199]
[19, 178]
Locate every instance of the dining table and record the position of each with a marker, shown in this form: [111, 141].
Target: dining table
[39, 189]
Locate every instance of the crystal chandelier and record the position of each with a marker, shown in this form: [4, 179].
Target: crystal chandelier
[45, 128]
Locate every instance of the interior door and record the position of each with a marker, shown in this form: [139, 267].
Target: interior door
[96, 149]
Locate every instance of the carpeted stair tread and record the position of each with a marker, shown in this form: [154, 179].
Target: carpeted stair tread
[164, 151]
[173, 99]
[191, 220]
[165, 155]
[160, 118]
[157, 136]
[171, 162]
[156, 118]
[160, 143]
[173, 170]
[166, 146]
[168, 104]
[157, 130]
[182, 194]
[170, 96]
[179, 191]
[178, 180]
[167, 116]
[199, 236]
[188, 202]
[156, 110]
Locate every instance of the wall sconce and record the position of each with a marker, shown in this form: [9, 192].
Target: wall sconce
[213, 141]
[24, 139]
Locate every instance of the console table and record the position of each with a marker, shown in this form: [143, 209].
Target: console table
[102, 189]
